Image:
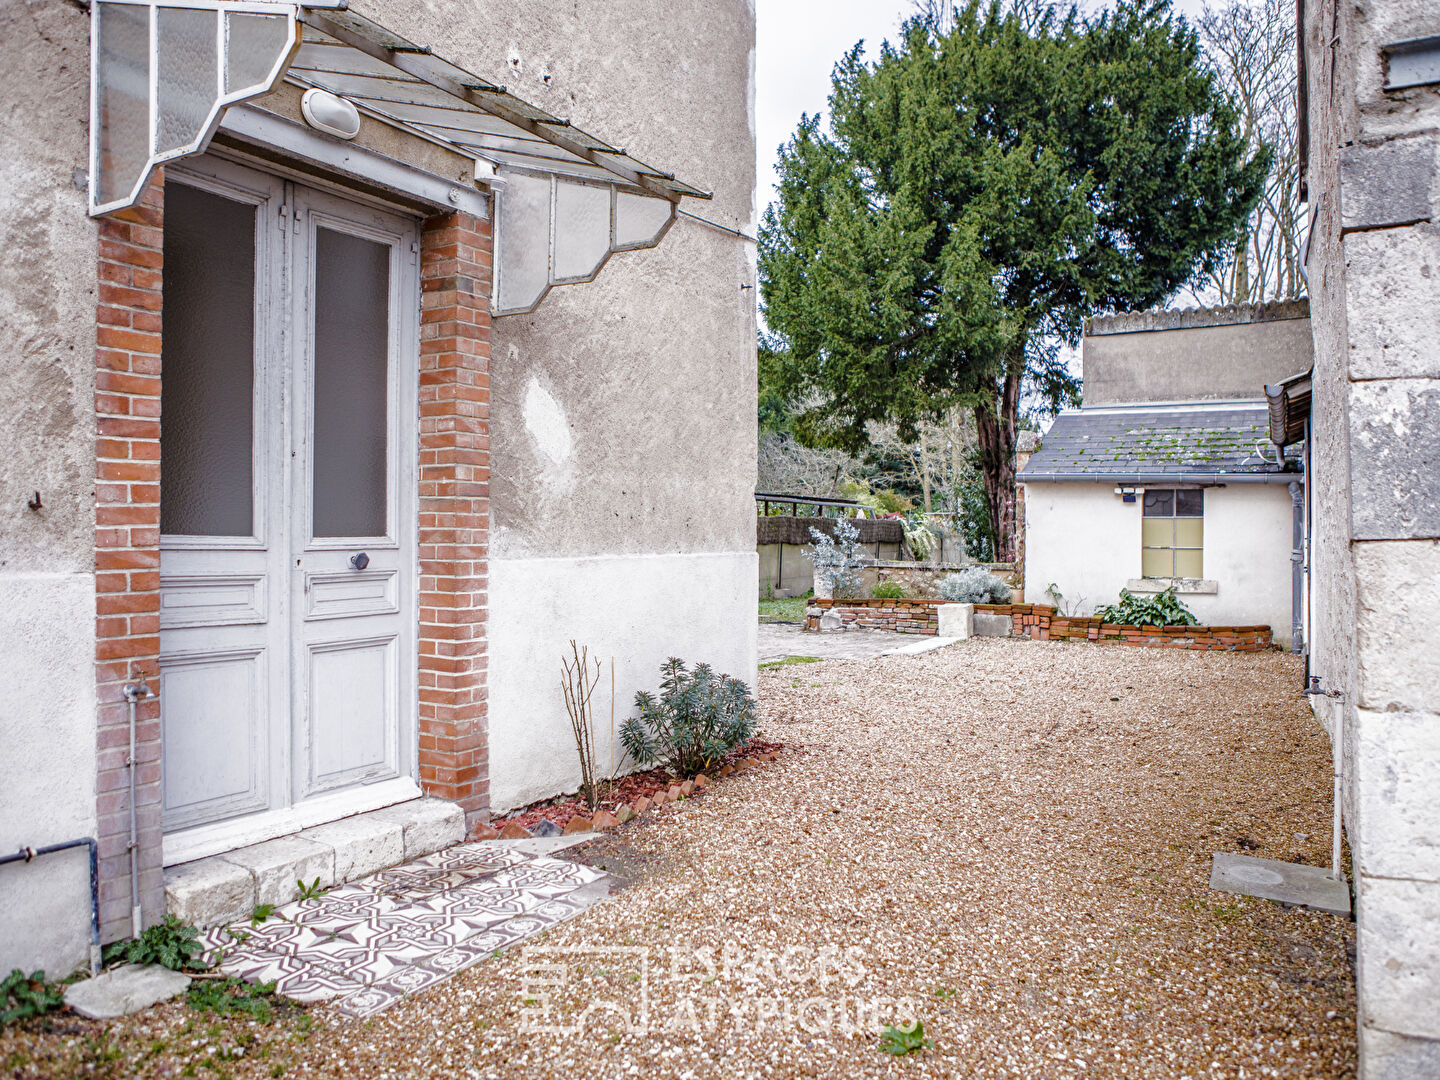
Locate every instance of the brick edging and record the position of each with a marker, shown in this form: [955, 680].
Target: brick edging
[1043, 623]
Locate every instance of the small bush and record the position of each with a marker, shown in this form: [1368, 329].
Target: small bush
[837, 559]
[1163, 609]
[697, 719]
[23, 996]
[171, 943]
[974, 585]
[889, 590]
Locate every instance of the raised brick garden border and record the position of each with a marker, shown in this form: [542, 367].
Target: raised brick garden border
[1041, 622]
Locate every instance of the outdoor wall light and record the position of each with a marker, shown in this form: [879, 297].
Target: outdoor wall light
[1127, 494]
[330, 113]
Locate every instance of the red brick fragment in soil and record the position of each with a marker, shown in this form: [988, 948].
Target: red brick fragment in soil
[602, 820]
[483, 830]
[513, 830]
[578, 823]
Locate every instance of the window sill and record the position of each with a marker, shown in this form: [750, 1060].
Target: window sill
[1182, 586]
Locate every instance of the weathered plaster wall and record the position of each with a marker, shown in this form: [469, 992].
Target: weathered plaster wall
[1374, 181]
[47, 386]
[699, 607]
[1176, 356]
[623, 410]
[1086, 540]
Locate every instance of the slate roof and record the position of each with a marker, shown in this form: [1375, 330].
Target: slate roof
[1144, 445]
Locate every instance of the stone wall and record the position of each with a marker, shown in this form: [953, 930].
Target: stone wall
[1373, 179]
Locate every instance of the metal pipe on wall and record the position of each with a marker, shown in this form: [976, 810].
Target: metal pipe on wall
[1297, 567]
[134, 694]
[26, 854]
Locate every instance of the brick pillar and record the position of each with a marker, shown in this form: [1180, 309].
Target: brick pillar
[127, 549]
[454, 509]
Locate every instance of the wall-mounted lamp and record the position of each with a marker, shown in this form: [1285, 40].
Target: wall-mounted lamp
[330, 113]
[1127, 494]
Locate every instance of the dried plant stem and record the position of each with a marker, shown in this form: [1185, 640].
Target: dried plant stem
[578, 682]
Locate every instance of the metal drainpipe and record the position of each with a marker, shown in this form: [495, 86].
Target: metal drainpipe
[25, 854]
[1297, 567]
[134, 694]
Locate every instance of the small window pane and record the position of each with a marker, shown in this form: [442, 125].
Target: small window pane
[254, 45]
[1188, 564]
[1189, 532]
[349, 464]
[1190, 503]
[1160, 503]
[123, 99]
[209, 363]
[1157, 563]
[523, 231]
[1158, 532]
[639, 219]
[582, 229]
[187, 89]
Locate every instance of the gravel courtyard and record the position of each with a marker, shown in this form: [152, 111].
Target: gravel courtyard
[1009, 841]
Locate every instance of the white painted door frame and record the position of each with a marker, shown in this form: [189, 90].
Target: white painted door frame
[316, 644]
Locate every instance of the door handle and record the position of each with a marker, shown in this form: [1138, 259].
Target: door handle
[359, 561]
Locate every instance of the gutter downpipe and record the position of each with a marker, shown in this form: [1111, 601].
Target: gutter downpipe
[134, 694]
[26, 854]
[1297, 567]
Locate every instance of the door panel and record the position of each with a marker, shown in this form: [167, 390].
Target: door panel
[355, 607]
[289, 447]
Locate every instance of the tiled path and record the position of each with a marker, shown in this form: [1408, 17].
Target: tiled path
[779, 640]
[367, 944]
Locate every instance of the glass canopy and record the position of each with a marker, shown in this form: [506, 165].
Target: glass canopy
[162, 74]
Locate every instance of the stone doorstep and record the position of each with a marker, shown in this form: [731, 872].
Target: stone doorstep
[225, 888]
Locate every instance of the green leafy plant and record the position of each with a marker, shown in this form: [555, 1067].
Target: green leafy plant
[974, 585]
[889, 590]
[224, 996]
[698, 717]
[313, 891]
[1163, 609]
[260, 912]
[905, 1039]
[169, 943]
[24, 995]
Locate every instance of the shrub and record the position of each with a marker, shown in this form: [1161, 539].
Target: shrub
[974, 585]
[1164, 609]
[889, 590]
[837, 559]
[697, 719]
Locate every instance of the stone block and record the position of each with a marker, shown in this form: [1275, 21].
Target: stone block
[988, 624]
[1392, 294]
[1386, 184]
[831, 620]
[1387, 1056]
[125, 990]
[1398, 950]
[1395, 460]
[430, 825]
[956, 620]
[277, 866]
[1395, 769]
[209, 892]
[1397, 623]
[362, 844]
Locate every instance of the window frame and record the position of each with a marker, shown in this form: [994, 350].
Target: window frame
[1174, 547]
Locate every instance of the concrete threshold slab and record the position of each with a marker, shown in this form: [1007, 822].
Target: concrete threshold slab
[1286, 883]
[124, 990]
[928, 645]
[541, 845]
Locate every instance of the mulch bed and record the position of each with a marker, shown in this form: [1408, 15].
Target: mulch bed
[627, 789]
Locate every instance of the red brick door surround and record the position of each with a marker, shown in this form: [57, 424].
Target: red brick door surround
[453, 526]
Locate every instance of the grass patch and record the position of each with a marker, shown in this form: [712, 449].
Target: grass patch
[790, 660]
[791, 609]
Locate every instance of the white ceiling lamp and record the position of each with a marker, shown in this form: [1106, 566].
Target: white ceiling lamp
[330, 113]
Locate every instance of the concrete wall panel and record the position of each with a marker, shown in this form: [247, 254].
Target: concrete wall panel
[1398, 951]
[639, 610]
[1395, 459]
[1395, 291]
[1397, 761]
[47, 795]
[1397, 624]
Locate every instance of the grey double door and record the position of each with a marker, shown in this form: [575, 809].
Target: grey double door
[288, 560]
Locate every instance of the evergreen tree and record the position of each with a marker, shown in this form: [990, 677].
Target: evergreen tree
[981, 191]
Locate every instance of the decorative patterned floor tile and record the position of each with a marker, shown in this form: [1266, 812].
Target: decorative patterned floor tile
[480, 855]
[293, 977]
[368, 1001]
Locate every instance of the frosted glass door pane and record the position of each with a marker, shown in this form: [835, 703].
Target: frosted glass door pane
[209, 363]
[351, 393]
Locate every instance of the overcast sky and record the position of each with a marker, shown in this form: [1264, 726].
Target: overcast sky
[797, 45]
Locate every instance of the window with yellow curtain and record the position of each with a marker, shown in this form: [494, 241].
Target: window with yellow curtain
[1172, 533]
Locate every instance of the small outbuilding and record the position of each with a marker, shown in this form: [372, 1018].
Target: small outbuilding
[1167, 476]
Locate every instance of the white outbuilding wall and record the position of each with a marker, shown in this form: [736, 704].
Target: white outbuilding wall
[1085, 539]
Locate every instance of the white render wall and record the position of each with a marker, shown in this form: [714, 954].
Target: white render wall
[1086, 540]
[639, 609]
